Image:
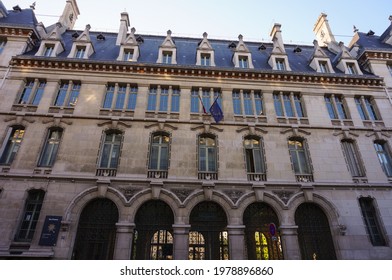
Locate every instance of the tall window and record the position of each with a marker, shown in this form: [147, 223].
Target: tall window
[32, 92]
[30, 218]
[336, 107]
[207, 154]
[254, 158]
[164, 99]
[206, 96]
[384, 156]
[110, 152]
[371, 220]
[288, 105]
[247, 102]
[299, 156]
[167, 57]
[120, 97]
[51, 147]
[159, 153]
[68, 94]
[353, 159]
[11, 145]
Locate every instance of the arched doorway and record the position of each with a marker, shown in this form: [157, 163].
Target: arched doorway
[208, 237]
[96, 235]
[262, 238]
[314, 234]
[153, 238]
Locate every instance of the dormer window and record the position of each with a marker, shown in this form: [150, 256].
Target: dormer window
[80, 51]
[280, 65]
[243, 62]
[128, 54]
[48, 50]
[167, 57]
[205, 59]
[323, 67]
[351, 68]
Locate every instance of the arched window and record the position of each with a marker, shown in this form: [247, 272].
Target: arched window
[254, 156]
[159, 155]
[314, 234]
[384, 156]
[110, 153]
[153, 239]
[300, 159]
[11, 144]
[208, 237]
[262, 242]
[353, 158]
[50, 149]
[96, 234]
[31, 214]
[208, 164]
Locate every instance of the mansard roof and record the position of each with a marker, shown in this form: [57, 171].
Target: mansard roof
[107, 51]
[24, 18]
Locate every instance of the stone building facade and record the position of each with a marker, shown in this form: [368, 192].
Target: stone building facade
[109, 149]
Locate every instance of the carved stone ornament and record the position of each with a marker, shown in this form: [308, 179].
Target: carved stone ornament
[234, 195]
[129, 192]
[182, 194]
[284, 195]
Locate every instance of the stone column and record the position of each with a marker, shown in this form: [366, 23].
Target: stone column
[181, 242]
[289, 239]
[236, 242]
[124, 238]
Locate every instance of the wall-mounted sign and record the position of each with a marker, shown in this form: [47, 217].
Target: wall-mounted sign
[50, 231]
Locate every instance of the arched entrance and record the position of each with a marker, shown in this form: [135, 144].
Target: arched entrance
[96, 235]
[314, 234]
[153, 238]
[208, 238]
[262, 243]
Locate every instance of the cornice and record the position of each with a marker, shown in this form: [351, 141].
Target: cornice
[112, 67]
[375, 55]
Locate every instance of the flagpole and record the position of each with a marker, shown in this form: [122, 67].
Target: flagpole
[201, 101]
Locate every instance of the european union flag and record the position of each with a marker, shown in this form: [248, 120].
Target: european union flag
[216, 111]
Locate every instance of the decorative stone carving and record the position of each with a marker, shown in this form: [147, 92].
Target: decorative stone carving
[182, 194]
[129, 192]
[234, 195]
[284, 195]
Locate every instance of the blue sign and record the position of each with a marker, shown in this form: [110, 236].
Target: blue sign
[50, 231]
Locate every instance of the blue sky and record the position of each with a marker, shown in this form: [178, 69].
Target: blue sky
[224, 18]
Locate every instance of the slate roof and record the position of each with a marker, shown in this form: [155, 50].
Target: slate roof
[23, 18]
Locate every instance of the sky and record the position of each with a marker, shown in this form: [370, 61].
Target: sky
[223, 19]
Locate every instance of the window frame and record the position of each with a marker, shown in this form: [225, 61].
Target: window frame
[353, 158]
[372, 221]
[155, 165]
[252, 152]
[209, 151]
[298, 167]
[51, 146]
[367, 109]
[280, 64]
[167, 57]
[32, 92]
[80, 52]
[384, 156]
[33, 204]
[289, 105]
[111, 143]
[11, 144]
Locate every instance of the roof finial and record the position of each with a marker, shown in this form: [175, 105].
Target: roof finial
[169, 33]
[390, 18]
[205, 34]
[355, 29]
[32, 6]
[133, 30]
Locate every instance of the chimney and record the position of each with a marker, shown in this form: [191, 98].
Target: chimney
[323, 31]
[69, 16]
[277, 39]
[122, 32]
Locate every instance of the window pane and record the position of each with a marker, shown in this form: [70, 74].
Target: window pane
[287, 106]
[107, 104]
[361, 109]
[278, 105]
[12, 146]
[152, 99]
[194, 101]
[330, 108]
[370, 109]
[258, 104]
[248, 104]
[175, 106]
[164, 98]
[73, 98]
[353, 160]
[50, 149]
[298, 106]
[237, 103]
[132, 99]
[120, 101]
[341, 109]
[206, 99]
[371, 222]
[39, 93]
[384, 157]
[62, 93]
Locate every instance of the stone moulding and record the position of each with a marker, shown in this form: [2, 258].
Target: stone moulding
[182, 71]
